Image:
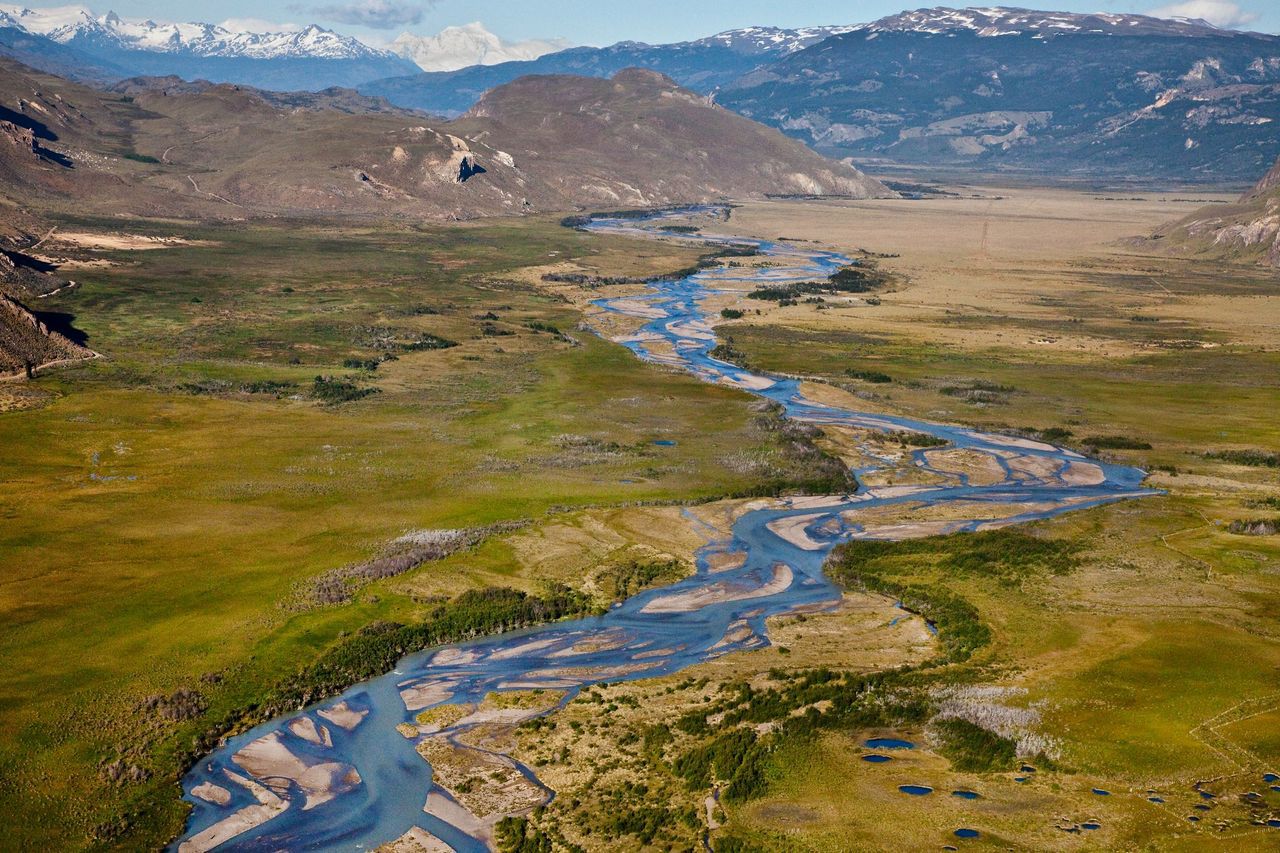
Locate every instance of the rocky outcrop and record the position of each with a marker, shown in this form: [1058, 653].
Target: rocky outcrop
[26, 343]
[1247, 231]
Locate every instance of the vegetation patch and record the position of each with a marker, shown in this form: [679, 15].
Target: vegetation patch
[1255, 527]
[875, 377]
[972, 748]
[1251, 458]
[1116, 442]
[331, 390]
[910, 438]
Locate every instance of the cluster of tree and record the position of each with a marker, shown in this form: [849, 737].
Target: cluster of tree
[910, 438]
[623, 579]
[802, 464]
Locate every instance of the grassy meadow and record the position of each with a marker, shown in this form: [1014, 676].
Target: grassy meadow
[163, 506]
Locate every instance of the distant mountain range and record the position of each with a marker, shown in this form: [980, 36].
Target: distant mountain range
[1099, 96]
[73, 41]
[703, 65]
[1102, 96]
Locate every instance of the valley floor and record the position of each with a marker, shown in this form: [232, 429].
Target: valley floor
[249, 430]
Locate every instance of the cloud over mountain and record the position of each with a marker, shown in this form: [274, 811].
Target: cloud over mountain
[1220, 13]
[378, 14]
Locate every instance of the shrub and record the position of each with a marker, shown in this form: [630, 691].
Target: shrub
[334, 391]
[1252, 458]
[873, 376]
[1116, 442]
[973, 749]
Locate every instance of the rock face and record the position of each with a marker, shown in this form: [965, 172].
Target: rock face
[540, 144]
[1247, 231]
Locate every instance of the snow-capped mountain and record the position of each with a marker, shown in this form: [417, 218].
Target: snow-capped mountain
[772, 40]
[471, 44]
[307, 58]
[70, 24]
[993, 21]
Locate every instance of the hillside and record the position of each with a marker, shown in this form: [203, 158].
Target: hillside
[1105, 96]
[541, 144]
[638, 138]
[1247, 231]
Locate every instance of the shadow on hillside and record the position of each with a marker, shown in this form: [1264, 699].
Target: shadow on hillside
[62, 322]
[22, 120]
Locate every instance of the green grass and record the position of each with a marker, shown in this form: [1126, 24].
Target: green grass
[160, 512]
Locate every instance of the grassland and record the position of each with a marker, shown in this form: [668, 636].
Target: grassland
[172, 503]
[163, 508]
[1140, 661]
[1153, 662]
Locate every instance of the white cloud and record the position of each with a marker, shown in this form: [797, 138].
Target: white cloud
[258, 25]
[1220, 13]
[377, 14]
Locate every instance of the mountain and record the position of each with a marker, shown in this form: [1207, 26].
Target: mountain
[167, 147]
[1101, 95]
[702, 65]
[459, 47]
[108, 45]
[1247, 231]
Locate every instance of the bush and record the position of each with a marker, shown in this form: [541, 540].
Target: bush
[1255, 527]
[915, 439]
[1252, 458]
[731, 314]
[873, 376]
[334, 391]
[972, 749]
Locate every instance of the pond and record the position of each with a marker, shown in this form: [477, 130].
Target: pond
[915, 790]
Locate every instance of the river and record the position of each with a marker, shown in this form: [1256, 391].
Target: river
[342, 776]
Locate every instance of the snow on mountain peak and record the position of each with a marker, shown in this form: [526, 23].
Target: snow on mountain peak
[773, 40]
[67, 24]
[991, 21]
[469, 44]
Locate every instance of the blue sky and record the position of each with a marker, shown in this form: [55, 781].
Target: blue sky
[606, 21]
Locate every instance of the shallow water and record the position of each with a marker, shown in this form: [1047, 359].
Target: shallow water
[354, 782]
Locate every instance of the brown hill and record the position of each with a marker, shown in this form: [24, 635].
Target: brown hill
[639, 138]
[539, 144]
[1247, 230]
